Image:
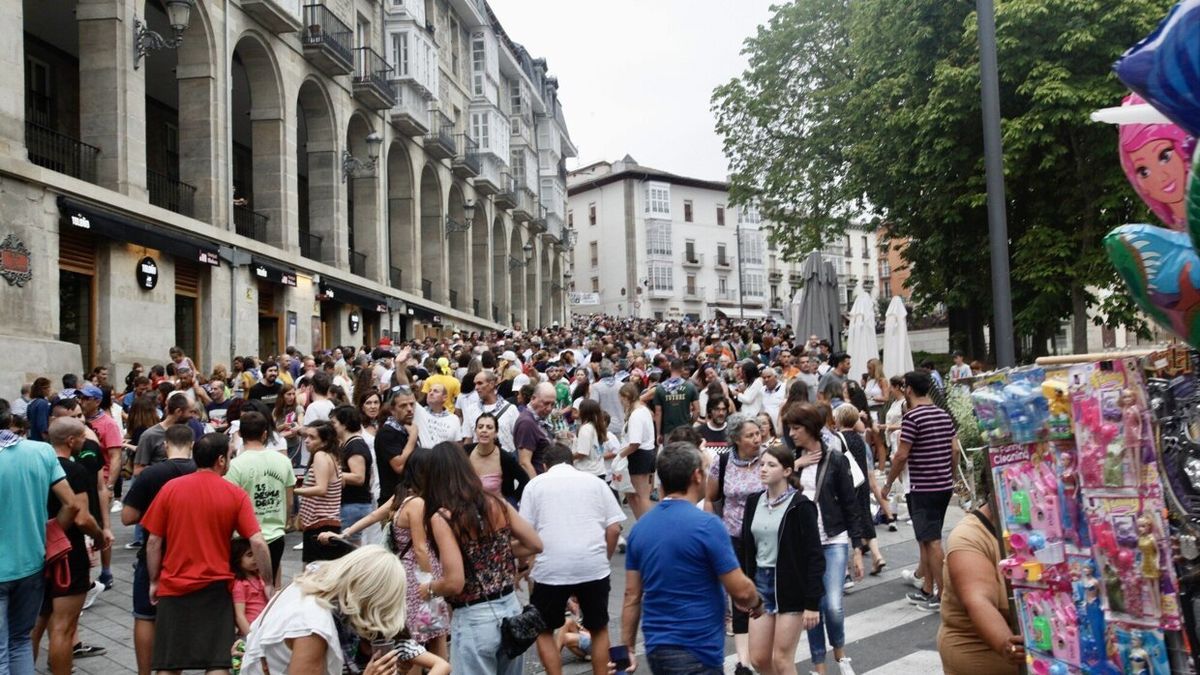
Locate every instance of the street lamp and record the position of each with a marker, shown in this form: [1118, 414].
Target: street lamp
[353, 166]
[516, 263]
[453, 225]
[179, 15]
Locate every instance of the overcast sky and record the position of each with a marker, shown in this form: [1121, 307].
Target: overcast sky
[636, 76]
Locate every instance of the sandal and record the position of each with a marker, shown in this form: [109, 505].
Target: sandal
[878, 567]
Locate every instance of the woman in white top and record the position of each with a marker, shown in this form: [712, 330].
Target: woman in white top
[308, 626]
[589, 446]
[877, 388]
[640, 442]
[751, 396]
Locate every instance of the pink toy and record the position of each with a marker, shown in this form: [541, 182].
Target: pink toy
[1156, 159]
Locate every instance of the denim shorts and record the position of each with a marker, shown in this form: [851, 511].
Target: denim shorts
[764, 581]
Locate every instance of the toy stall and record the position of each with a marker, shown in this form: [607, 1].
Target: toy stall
[1096, 461]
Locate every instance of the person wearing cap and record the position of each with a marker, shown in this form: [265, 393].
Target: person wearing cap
[445, 377]
[112, 444]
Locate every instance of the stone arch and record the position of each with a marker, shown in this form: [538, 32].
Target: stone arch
[433, 257]
[258, 140]
[513, 272]
[362, 203]
[501, 309]
[481, 262]
[456, 240]
[402, 235]
[316, 173]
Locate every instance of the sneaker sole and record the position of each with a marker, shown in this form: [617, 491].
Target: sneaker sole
[929, 607]
[914, 601]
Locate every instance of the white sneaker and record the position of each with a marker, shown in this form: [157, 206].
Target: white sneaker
[93, 593]
[298, 547]
[116, 506]
[849, 583]
[912, 579]
[844, 666]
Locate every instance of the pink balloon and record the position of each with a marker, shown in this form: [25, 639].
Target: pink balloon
[1157, 159]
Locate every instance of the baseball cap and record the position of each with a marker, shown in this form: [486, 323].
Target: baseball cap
[90, 391]
[66, 393]
[509, 356]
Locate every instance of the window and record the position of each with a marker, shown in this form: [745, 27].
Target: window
[479, 129]
[748, 215]
[400, 53]
[885, 290]
[661, 276]
[592, 213]
[594, 252]
[687, 210]
[849, 248]
[454, 46]
[754, 284]
[363, 35]
[720, 215]
[752, 247]
[595, 284]
[691, 284]
[866, 270]
[658, 238]
[885, 269]
[866, 250]
[689, 249]
[514, 91]
[478, 62]
[774, 293]
[723, 285]
[518, 167]
[570, 219]
[658, 199]
[721, 259]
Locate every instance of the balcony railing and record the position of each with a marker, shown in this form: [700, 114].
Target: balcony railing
[526, 206]
[439, 142]
[693, 259]
[310, 246]
[250, 223]
[171, 194]
[724, 261]
[395, 277]
[371, 83]
[411, 112]
[59, 152]
[726, 295]
[693, 292]
[327, 41]
[427, 289]
[358, 263]
[507, 197]
[466, 156]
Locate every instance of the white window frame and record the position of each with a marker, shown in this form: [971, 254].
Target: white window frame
[661, 276]
[658, 199]
[658, 238]
[400, 59]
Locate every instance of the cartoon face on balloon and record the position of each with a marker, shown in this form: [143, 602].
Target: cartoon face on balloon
[1156, 159]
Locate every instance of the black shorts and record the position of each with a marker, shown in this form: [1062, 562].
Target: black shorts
[142, 607]
[928, 511]
[276, 547]
[195, 631]
[551, 603]
[641, 462]
[80, 564]
[314, 550]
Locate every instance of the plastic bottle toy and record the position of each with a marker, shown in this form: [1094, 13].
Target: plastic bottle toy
[989, 410]
[1027, 412]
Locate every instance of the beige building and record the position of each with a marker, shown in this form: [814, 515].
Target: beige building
[278, 172]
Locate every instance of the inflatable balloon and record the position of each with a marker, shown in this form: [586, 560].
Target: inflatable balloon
[1165, 67]
[1162, 270]
[1156, 158]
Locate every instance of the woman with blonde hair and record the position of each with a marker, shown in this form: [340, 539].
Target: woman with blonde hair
[326, 612]
[877, 388]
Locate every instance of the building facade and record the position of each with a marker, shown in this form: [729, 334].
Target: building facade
[238, 177]
[653, 244]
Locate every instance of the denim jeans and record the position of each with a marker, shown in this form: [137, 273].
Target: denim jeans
[678, 661]
[20, 602]
[833, 618]
[764, 581]
[475, 638]
[352, 513]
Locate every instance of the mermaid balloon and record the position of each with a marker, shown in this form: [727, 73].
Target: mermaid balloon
[1156, 158]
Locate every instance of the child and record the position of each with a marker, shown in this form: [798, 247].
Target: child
[573, 636]
[412, 656]
[249, 593]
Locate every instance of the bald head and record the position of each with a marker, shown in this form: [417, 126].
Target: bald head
[64, 430]
[542, 402]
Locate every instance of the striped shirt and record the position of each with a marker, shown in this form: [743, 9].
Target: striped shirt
[929, 431]
[320, 511]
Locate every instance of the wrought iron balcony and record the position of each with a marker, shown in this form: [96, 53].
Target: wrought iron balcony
[506, 198]
[725, 295]
[724, 262]
[371, 81]
[395, 277]
[410, 114]
[439, 142]
[466, 157]
[693, 260]
[775, 275]
[171, 194]
[358, 263]
[59, 152]
[310, 246]
[249, 223]
[526, 206]
[327, 41]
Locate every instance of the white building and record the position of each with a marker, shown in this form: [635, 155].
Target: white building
[656, 244]
[368, 167]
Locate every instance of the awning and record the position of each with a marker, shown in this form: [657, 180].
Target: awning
[267, 270]
[349, 295]
[117, 227]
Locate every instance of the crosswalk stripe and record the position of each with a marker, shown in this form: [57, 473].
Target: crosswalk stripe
[862, 625]
[924, 662]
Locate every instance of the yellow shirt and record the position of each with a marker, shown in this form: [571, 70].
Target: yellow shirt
[963, 651]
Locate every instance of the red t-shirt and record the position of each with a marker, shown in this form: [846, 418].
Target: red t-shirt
[253, 593]
[107, 431]
[197, 515]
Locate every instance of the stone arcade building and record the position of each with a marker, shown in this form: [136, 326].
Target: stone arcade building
[304, 172]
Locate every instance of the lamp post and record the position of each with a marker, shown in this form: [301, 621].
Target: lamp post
[453, 225]
[179, 15]
[354, 166]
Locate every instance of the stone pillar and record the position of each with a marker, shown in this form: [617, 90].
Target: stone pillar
[112, 94]
[267, 132]
[323, 176]
[199, 119]
[12, 80]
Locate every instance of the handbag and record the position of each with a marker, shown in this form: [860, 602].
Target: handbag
[622, 482]
[856, 472]
[57, 568]
[518, 633]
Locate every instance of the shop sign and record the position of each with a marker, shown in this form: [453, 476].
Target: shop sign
[15, 264]
[147, 273]
[355, 322]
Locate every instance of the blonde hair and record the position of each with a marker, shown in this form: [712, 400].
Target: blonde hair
[846, 415]
[367, 587]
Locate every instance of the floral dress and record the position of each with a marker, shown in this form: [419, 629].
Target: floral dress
[425, 621]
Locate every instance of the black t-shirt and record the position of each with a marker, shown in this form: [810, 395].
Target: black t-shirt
[90, 457]
[151, 481]
[714, 439]
[266, 392]
[389, 443]
[78, 481]
[357, 494]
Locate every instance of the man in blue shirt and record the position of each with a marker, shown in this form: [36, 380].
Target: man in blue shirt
[678, 560]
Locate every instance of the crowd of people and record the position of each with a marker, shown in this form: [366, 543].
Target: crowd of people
[438, 482]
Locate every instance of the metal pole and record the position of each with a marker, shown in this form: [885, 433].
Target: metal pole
[993, 159]
[741, 286]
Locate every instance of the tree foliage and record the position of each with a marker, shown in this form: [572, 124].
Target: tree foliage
[853, 108]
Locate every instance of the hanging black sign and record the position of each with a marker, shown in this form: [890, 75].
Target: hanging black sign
[147, 273]
[355, 321]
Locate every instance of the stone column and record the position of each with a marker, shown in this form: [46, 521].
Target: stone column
[267, 132]
[12, 80]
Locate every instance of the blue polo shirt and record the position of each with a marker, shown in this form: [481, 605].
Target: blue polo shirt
[28, 469]
[680, 552]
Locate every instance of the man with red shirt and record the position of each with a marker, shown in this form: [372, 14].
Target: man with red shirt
[112, 443]
[191, 523]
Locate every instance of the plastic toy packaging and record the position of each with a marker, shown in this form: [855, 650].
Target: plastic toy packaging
[1142, 651]
[1058, 399]
[1050, 627]
[1131, 549]
[989, 410]
[1025, 406]
[1111, 427]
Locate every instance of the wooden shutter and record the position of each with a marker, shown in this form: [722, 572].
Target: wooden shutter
[76, 252]
[187, 278]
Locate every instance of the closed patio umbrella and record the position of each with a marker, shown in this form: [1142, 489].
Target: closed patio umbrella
[818, 313]
[860, 339]
[897, 353]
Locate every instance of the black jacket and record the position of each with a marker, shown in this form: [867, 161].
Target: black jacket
[800, 565]
[836, 496]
